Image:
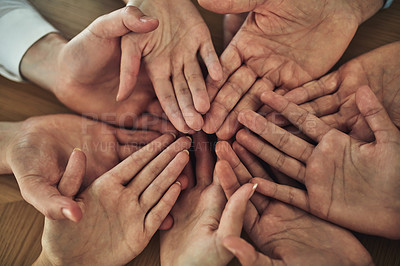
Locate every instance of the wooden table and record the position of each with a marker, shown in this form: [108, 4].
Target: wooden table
[21, 225]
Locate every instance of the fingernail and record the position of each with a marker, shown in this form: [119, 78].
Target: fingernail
[197, 130]
[187, 152]
[146, 19]
[173, 134]
[178, 183]
[189, 138]
[117, 98]
[67, 214]
[77, 149]
[253, 190]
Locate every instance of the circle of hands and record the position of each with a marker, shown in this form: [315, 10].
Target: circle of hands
[310, 157]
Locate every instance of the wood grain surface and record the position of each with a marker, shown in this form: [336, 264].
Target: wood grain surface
[21, 225]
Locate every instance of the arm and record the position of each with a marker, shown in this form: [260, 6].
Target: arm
[27, 28]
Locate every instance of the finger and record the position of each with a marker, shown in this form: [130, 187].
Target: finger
[131, 55]
[167, 223]
[204, 160]
[192, 118]
[271, 156]
[230, 184]
[156, 166]
[48, 200]
[231, 7]
[314, 89]
[246, 253]
[250, 162]
[154, 123]
[128, 168]
[210, 58]
[197, 86]
[224, 152]
[290, 195]
[164, 180]
[310, 125]
[278, 137]
[229, 95]
[121, 22]
[166, 95]
[376, 115]
[251, 100]
[184, 180]
[158, 213]
[230, 61]
[283, 179]
[136, 137]
[233, 215]
[74, 174]
[240, 172]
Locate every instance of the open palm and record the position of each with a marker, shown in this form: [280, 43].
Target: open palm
[284, 234]
[332, 98]
[122, 209]
[346, 179]
[170, 56]
[41, 146]
[282, 44]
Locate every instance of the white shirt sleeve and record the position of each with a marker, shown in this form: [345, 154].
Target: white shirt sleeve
[20, 27]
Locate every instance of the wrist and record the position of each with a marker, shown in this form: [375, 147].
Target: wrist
[364, 9]
[7, 132]
[42, 260]
[39, 64]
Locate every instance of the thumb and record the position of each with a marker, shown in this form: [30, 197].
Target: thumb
[75, 171]
[131, 54]
[48, 200]
[233, 215]
[230, 6]
[375, 115]
[121, 22]
[246, 253]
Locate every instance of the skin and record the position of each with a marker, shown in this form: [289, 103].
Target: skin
[284, 234]
[84, 73]
[202, 220]
[346, 179]
[281, 45]
[122, 209]
[37, 152]
[332, 98]
[170, 56]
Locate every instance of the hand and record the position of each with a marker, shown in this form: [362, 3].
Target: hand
[38, 150]
[282, 44]
[284, 234]
[170, 56]
[346, 179]
[333, 96]
[201, 218]
[122, 209]
[84, 73]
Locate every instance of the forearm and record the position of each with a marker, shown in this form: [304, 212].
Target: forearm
[364, 9]
[39, 64]
[7, 132]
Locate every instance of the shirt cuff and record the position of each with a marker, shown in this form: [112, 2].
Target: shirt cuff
[387, 4]
[19, 30]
